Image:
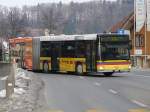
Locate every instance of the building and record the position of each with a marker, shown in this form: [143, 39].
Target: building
[4, 50]
[140, 53]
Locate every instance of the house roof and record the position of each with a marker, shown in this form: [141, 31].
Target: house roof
[127, 23]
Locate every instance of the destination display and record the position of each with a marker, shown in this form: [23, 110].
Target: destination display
[114, 38]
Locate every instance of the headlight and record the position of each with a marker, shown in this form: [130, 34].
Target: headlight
[130, 67]
[101, 68]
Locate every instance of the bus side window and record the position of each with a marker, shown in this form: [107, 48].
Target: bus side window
[81, 48]
[45, 49]
[68, 49]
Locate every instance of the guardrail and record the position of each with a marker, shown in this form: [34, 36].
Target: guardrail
[8, 70]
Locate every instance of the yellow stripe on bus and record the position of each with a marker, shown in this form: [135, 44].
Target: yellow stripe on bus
[45, 58]
[113, 67]
[69, 64]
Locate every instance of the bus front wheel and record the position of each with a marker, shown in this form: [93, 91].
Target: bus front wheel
[108, 74]
[79, 69]
[45, 67]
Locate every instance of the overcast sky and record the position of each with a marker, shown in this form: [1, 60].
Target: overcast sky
[34, 2]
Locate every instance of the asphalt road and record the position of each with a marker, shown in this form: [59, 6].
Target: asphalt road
[127, 92]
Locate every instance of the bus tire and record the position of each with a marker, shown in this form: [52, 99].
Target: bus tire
[45, 67]
[79, 69]
[108, 74]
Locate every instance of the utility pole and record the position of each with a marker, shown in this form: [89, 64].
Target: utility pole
[134, 47]
[145, 63]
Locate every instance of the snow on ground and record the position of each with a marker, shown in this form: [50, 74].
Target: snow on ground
[28, 89]
[22, 79]
[19, 91]
[2, 93]
[4, 78]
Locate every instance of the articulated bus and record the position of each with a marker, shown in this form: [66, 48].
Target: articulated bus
[90, 53]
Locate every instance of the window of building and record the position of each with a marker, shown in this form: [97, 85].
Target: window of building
[139, 40]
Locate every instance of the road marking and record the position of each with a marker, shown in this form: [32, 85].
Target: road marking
[95, 110]
[146, 76]
[4, 78]
[139, 110]
[113, 91]
[81, 77]
[142, 76]
[139, 103]
[97, 84]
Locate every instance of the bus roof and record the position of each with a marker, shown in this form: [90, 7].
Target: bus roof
[112, 34]
[20, 40]
[68, 37]
[76, 37]
[63, 37]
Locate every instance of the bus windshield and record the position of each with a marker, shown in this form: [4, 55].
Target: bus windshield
[115, 51]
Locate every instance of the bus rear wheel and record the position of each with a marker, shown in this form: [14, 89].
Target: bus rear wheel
[108, 74]
[79, 69]
[45, 67]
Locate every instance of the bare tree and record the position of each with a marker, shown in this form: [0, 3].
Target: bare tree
[14, 21]
[3, 22]
[88, 17]
[49, 21]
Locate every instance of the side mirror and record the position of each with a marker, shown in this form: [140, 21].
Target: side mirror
[130, 44]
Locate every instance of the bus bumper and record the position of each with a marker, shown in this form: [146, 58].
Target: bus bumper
[114, 71]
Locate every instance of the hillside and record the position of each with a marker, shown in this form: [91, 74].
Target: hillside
[73, 18]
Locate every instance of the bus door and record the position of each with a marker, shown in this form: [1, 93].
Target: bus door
[91, 56]
[55, 55]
